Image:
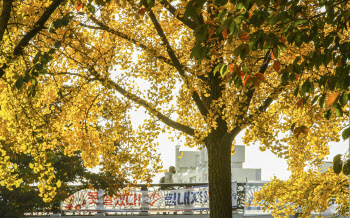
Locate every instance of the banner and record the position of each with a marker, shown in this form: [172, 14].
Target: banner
[194, 198]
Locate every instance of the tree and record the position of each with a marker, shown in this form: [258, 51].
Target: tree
[208, 69]
[26, 197]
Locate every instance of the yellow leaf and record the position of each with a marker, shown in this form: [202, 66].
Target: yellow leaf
[182, 154]
[58, 183]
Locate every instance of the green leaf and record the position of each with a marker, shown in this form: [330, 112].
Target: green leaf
[244, 69]
[243, 53]
[217, 67]
[292, 127]
[91, 8]
[337, 157]
[346, 168]
[296, 91]
[238, 82]
[39, 66]
[150, 3]
[202, 33]
[284, 78]
[36, 58]
[57, 44]
[237, 51]
[306, 86]
[34, 81]
[221, 2]
[222, 14]
[344, 99]
[337, 166]
[33, 92]
[57, 23]
[26, 78]
[328, 114]
[19, 83]
[346, 133]
[223, 70]
[252, 45]
[322, 100]
[282, 47]
[195, 53]
[338, 111]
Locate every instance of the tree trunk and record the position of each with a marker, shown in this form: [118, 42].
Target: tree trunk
[220, 196]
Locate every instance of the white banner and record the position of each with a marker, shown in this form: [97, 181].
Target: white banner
[194, 198]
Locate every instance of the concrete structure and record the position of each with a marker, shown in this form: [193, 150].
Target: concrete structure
[326, 165]
[192, 167]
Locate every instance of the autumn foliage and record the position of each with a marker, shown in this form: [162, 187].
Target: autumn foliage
[72, 73]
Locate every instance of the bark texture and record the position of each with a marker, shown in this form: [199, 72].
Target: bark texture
[219, 158]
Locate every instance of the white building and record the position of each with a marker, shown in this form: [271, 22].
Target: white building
[192, 167]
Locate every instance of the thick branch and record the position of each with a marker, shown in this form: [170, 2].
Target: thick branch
[203, 110]
[167, 121]
[5, 16]
[189, 23]
[102, 26]
[265, 104]
[39, 25]
[250, 93]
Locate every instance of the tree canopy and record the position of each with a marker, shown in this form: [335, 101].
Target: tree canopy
[72, 72]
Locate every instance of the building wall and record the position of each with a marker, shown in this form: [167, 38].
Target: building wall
[192, 166]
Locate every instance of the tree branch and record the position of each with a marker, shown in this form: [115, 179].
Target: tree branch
[202, 108]
[265, 104]
[39, 25]
[189, 23]
[169, 122]
[102, 26]
[5, 16]
[250, 93]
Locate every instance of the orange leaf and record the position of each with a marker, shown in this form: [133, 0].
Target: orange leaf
[260, 76]
[296, 76]
[283, 39]
[340, 64]
[272, 56]
[209, 22]
[277, 66]
[256, 81]
[142, 11]
[243, 37]
[302, 129]
[332, 98]
[250, 15]
[231, 67]
[300, 103]
[277, 4]
[79, 5]
[246, 80]
[224, 33]
[228, 77]
[211, 32]
[214, 52]
[239, 72]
